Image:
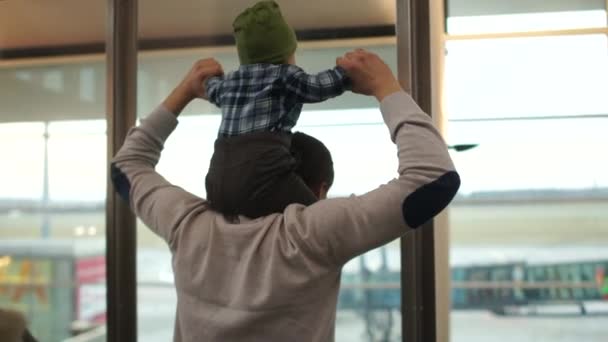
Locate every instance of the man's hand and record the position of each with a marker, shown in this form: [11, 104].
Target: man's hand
[369, 74]
[193, 85]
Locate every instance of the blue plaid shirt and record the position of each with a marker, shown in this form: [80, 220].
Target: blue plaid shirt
[269, 97]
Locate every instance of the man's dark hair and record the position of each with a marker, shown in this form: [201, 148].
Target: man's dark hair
[315, 165]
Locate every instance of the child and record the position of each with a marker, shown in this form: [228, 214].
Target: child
[252, 169]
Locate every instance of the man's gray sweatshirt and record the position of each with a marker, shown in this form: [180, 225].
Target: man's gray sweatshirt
[276, 278]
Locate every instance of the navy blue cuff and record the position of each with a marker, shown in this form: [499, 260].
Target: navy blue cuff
[121, 182]
[347, 84]
[430, 199]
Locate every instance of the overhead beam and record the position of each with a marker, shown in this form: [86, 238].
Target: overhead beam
[195, 42]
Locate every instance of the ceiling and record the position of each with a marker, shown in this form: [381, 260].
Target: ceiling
[26, 24]
[42, 23]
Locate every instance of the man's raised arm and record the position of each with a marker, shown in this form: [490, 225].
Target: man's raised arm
[158, 203]
[336, 230]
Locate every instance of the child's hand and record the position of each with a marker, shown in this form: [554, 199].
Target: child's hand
[200, 72]
[193, 85]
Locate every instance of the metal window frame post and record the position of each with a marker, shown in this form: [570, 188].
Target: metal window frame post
[121, 95]
[417, 248]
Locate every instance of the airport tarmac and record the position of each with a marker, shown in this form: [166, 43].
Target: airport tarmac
[156, 304]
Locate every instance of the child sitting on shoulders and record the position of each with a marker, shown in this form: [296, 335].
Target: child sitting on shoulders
[252, 168]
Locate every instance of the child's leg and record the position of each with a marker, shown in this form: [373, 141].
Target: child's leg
[227, 178]
[219, 199]
[247, 172]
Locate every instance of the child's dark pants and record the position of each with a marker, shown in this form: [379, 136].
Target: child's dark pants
[253, 175]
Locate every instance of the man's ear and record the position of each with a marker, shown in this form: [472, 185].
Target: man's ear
[321, 190]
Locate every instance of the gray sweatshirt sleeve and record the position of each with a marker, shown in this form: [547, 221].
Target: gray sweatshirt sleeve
[335, 230]
[159, 204]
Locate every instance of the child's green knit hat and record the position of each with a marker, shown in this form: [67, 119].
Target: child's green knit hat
[262, 35]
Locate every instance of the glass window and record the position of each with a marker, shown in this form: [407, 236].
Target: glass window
[526, 77]
[534, 189]
[52, 194]
[531, 155]
[496, 16]
[75, 148]
[22, 147]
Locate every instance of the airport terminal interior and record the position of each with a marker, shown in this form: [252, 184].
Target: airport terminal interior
[519, 90]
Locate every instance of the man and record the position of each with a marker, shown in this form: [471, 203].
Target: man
[276, 278]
